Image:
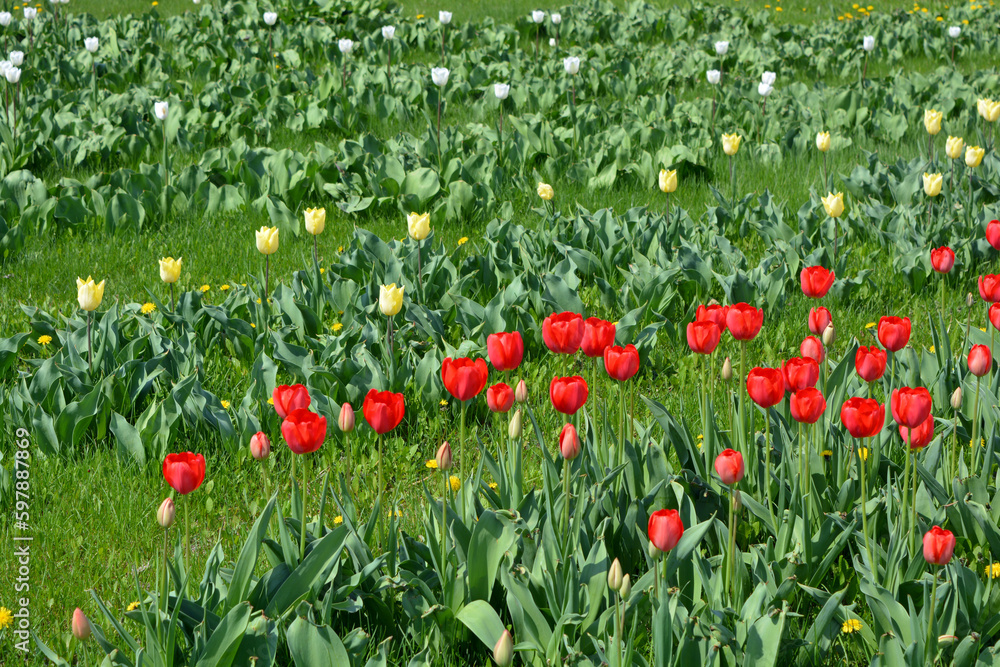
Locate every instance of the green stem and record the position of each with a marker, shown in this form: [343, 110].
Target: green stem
[767, 468]
[974, 443]
[187, 535]
[730, 584]
[954, 451]
[444, 522]
[864, 513]
[913, 499]
[165, 579]
[930, 621]
[302, 532]
[90, 347]
[566, 495]
[906, 479]
[461, 456]
[743, 393]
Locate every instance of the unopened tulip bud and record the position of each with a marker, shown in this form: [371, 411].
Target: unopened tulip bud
[514, 430]
[615, 576]
[260, 446]
[346, 419]
[81, 625]
[969, 300]
[503, 651]
[521, 392]
[829, 335]
[654, 552]
[569, 443]
[626, 587]
[727, 370]
[956, 399]
[165, 515]
[443, 457]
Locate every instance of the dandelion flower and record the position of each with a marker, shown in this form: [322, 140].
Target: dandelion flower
[463, 240]
[6, 617]
[337, 520]
[455, 482]
[850, 625]
[431, 463]
[337, 326]
[225, 405]
[205, 288]
[148, 307]
[133, 606]
[44, 340]
[224, 288]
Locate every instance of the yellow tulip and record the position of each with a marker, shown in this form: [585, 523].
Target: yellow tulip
[418, 225]
[731, 143]
[267, 240]
[668, 180]
[834, 204]
[170, 269]
[823, 141]
[545, 191]
[932, 121]
[390, 299]
[955, 147]
[973, 156]
[932, 184]
[88, 294]
[993, 111]
[315, 221]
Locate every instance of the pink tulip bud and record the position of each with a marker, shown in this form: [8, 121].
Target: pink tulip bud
[346, 418]
[503, 650]
[260, 446]
[569, 443]
[81, 625]
[521, 392]
[165, 515]
[443, 457]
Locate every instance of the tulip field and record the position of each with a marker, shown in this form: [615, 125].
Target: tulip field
[361, 334]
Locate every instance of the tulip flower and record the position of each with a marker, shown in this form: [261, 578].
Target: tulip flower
[443, 458]
[89, 295]
[345, 421]
[569, 444]
[184, 473]
[816, 281]
[563, 332]
[505, 350]
[932, 121]
[568, 394]
[665, 529]
[91, 44]
[823, 141]
[270, 18]
[868, 43]
[863, 418]
[812, 347]
[160, 110]
[6, 18]
[503, 650]
[289, 398]
[953, 32]
[713, 76]
[712, 313]
[260, 446]
[521, 392]
[764, 89]
[444, 18]
[894, 332]
[994, 315]
[919, 437]
[819, 320]
[765, 386]
[267, 245]
[514, 430]
[598, 335]
[989, 288]
[499, 397]
[556, 18]
[980, 360]
[974, 156]
[166, 513]
[501, 90]
[955, 148]
[943, 258]
[80, 625]
[932, 184]
[383, 411]
[621, 363]
[800, 373]
[939, 547]
[808, 405]
[993, 234]
[304, 431]
[910, 406]
[571, 64]
[729, 466]
[390, 299]
[545, 191]
[464, 378]
[703, 337]
[869, 362]
[170, 272]
[744, 321]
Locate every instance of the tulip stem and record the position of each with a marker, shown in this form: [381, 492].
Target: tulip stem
[538, 36]
[913, 500]
[862, 460]
[930, 620]
[90, 347]
[732, 183]
[713, 109]
[388, 68]
[954, 451]
[621, 423]
[942, 300]
[267, 276]
[974, 442]
[302, 532]
[743, 374]
[173, 304]
[316, 249]
[767, 468]
[443, 26]
[906, 477]
[440, 92]
[187, 535]
[349, 446]
[566, 495]
[668, 208]
[620, 627]
[732, 545]
[826, 179]
[444, 524]
[165, 580]
[420, 271]
[864, 70]
[461, 453]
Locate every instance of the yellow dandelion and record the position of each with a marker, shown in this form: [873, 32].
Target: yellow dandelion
[340, 248]
[965, 21]
[155, 3]
[253, 326]
[443, 403]
[6, 617]
[826, 454]
[463, 240]
[337, 520]
[148, 307]
[225, 405]
[224, 288]
[322, 271]
[431, 463]
[133, 606]
[767, 6]
[204, 288]
[863, 453]
[420, 16]
[932, 349]
[777, 9]
[869, 325]
[982, 442]
[983, 329]
[258, 300]
[939, 18]
[994, 570]
[494, 486]
[270, 401]
[337, 326]
[850, 625]
[455, 482]
[44, 340]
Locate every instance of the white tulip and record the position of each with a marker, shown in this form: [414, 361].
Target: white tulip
[768, 78]
[572, 64]
[6, 18]
[537, 16]
[556, 17]
[17, 57]
[388, 31]
[30, 13]
[5, 65]
[270, 18]
[714, 76]
[868, 43]
[160, 110]
[501, 90]
[764, 89]
[91, 44]
[345, 46]
[552, 41]
[444, 17]
[439, 75]
[721, 48]
[13, 74]
[954, 31]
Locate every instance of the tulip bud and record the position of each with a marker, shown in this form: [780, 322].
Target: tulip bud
[571, 64]
[388, 31]
[260, 446]
[713, 76]
[165, 515]
[444, 17]
[868, 43]
[160, 110]
[954, 31]
[626, 587]
[552, 41]
[514, 430]
[346, 419]
[969, 300]
[503, 651]
[569, 443]
[727, 370]
[538, 16]
[654, 552]
[521, 392]
[439, 75]
[829, 335]
[556, 18]
[615, 576]
[270, 18]
[443, 457]
[16, 58]
[956, 399]
[81, 625]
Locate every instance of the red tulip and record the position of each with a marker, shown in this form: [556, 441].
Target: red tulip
[464, 378]
[304, 431]
[287, 399]
[919, 437]
[568, 394]
[665, 529]
[863, 417]
[766, 386]
[563, 332]
[939, 546]
[942, 259]
[383, 410]
[808, 405]
[812, 347]
[500, 397]
[800, 373]
[894, 332]
[989, 288]
[703, 337]
[869, 362]
[993, 234]
[819, 320]
[621, 363]
[713, 313]
[910, 406]
[816, 281]
[569, 442]
[980, 360]
[729, 465]
[598, 335]
[80, 626]
[505, 350]
[994, 314]
[184, 472]
[744, 321]
[260, 446]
